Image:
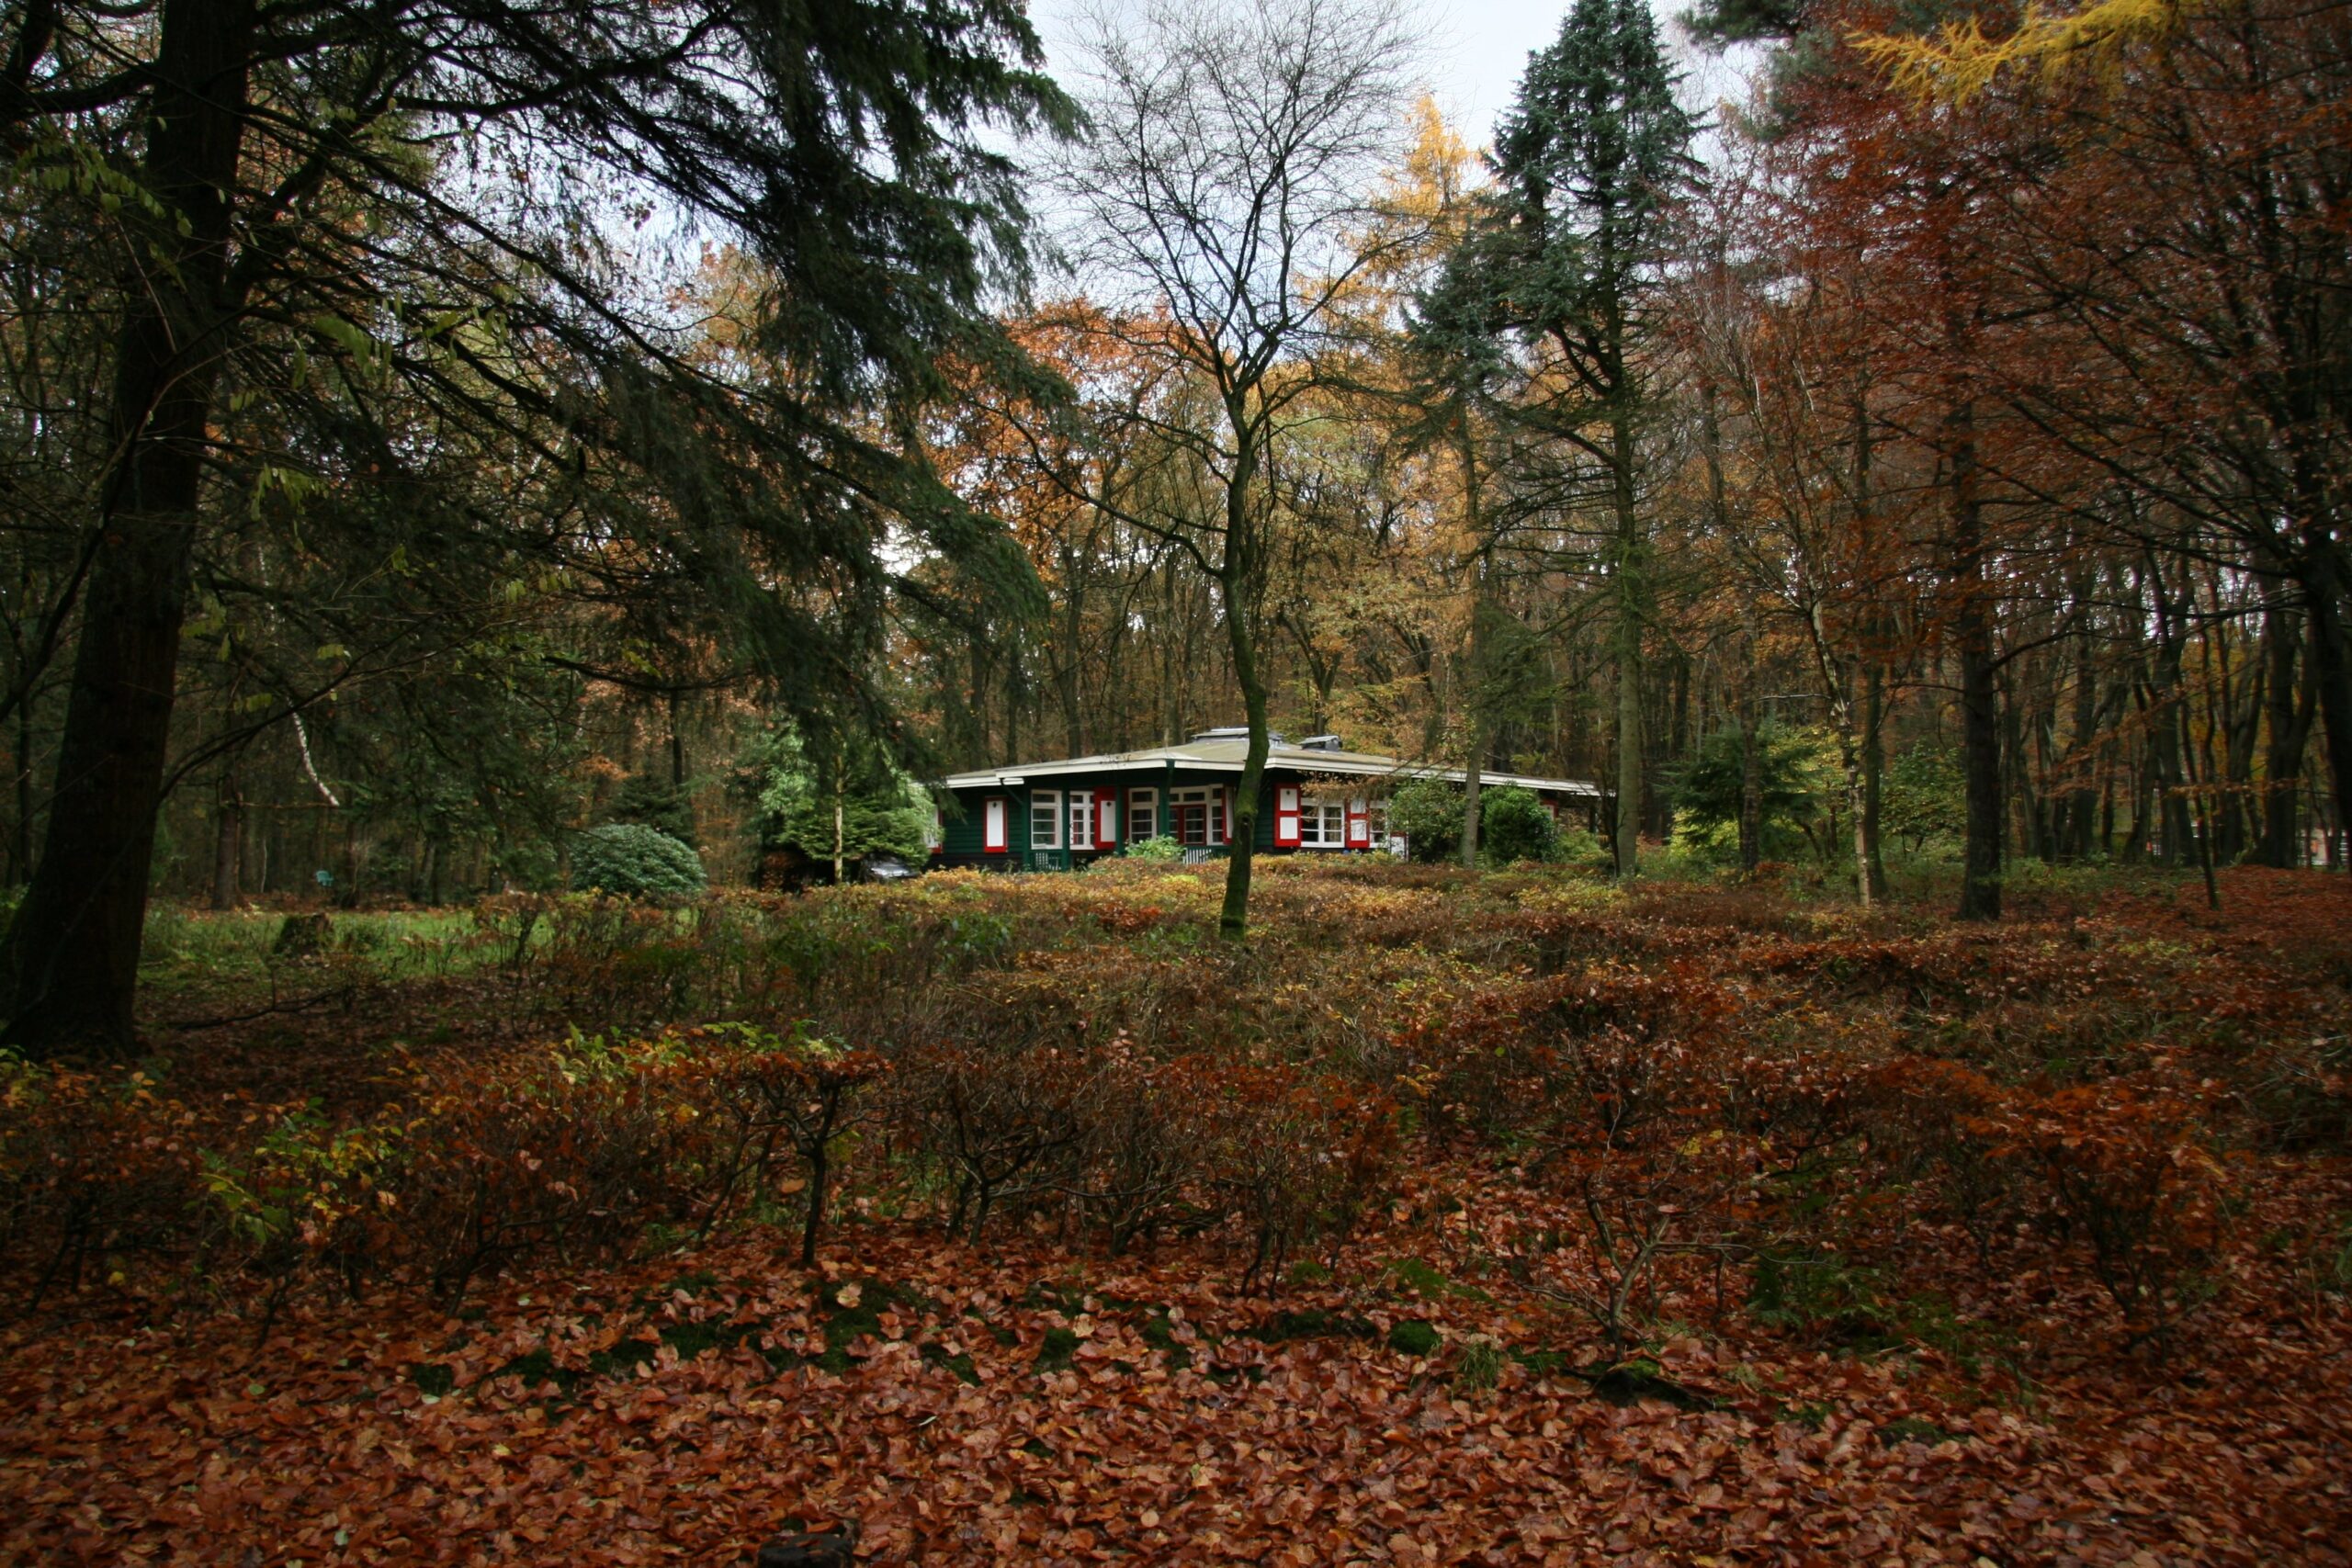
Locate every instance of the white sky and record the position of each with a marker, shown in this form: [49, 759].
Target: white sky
[1477, 52]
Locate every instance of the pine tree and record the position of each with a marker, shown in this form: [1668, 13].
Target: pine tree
[420, 199]
[1589, 166]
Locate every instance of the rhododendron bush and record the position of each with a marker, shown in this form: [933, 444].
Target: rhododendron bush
[1503, 1218]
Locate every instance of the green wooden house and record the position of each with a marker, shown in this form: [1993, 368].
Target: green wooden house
[1317, 798]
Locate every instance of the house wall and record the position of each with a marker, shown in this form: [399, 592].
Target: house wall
[963, 840]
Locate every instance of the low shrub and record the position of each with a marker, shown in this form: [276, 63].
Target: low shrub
[636, 861]
[1515, 825]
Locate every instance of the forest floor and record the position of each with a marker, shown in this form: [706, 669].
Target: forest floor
[2012, 1245]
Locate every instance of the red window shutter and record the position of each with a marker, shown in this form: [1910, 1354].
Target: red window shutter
[1286, 816]
[992, 817]
[1106, 818]
[1359, 825]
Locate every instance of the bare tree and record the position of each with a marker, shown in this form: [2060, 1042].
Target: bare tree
[1225, 203]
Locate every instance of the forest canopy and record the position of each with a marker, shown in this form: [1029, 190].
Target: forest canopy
[471, 426]
[792, 781]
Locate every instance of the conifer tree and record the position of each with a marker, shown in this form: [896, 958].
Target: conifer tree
[419, 197]
[1589, 164]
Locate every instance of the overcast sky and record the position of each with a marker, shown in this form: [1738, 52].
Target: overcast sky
[1477, 51]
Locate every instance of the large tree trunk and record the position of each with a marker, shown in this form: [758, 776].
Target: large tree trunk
[228, 843]
[1628, 650]
[1873, 868]
[1481, 735]
[1068, 656]
[1874, 775]
[2324, 583]
[1980, 710]
[1236, 582]
[73, 952]
[2287, 701]
[2083, 797]
[2168, 738]
[1751, 775]
[1743, 704]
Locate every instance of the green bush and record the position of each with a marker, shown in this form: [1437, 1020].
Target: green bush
[1923, 798]
[1428, 813]
[880, 810]
[1513, 826]
[632, 859]
[1160, 848]
[1795, 777]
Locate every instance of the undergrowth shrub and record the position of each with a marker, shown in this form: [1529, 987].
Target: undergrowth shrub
[2128, 1170]
[636, 861]
[1515, 825]
[1694, 1079]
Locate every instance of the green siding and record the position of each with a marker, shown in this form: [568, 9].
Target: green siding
[964, 839]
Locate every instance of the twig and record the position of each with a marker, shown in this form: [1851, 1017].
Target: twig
[302, 1004]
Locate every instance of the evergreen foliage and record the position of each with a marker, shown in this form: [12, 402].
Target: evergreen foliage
[654, 802]
[1707, 794]
[1428, 812]
[1924, 797]
[635, 860]
[1588, 164]
[389, 266]
[1719, 24]
[882, 810]
[1514, 826]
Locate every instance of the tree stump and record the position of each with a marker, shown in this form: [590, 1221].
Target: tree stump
[303, 936]
[827, 1549]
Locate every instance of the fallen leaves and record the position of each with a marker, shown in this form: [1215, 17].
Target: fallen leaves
[1319, 1450]
[1936, 1383]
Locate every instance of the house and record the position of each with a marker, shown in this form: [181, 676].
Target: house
[1317, 795]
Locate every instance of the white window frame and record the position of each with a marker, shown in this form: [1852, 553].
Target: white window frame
[1081, 819]
[1045, 804]
[1311, 810]
[1210, 795]
[1147, 812]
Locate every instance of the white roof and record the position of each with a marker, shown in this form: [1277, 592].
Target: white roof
[1224, 754]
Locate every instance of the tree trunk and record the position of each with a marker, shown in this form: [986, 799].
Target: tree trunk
[2082, 799]
[1979, 713]
[677, 750]
[1873, 868]
[73, 952]
[1743, 706]
[840, 773]
[1751, 780]
[20, 856]
[1067, 657]
[2167, 736]
[2331, 655]
[1628, 650]
[1236, 582]
[1874, 775]
[2288, 700]
[228, 841]
[1472, 788]
[1473, 765]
